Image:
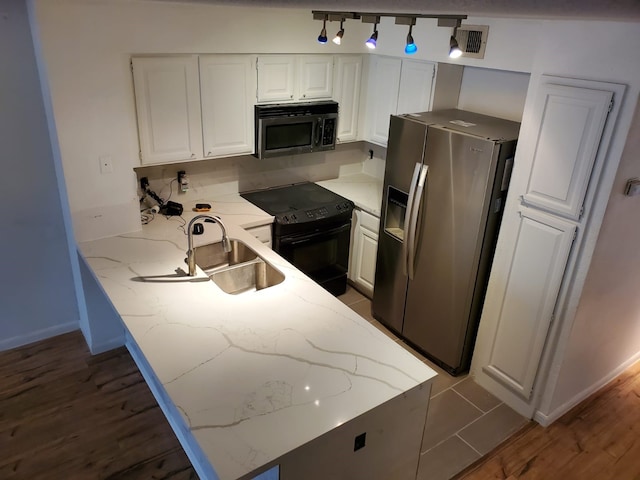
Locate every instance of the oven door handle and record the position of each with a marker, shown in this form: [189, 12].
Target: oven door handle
[298, 239]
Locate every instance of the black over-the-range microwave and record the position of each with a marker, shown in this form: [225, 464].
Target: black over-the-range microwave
[288, 129]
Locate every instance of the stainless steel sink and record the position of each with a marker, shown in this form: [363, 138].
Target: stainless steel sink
[240, 270]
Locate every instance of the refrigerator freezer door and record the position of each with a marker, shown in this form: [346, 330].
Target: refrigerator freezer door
[449, 243]
[406, 148]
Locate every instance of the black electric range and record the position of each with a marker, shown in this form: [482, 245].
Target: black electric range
[312, 230]
[301, 207]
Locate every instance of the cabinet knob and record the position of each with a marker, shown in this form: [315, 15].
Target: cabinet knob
[193, 155]
[304, 95]
[291, 96]
[209, 154]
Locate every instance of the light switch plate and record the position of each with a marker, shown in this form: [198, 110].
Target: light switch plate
[633, 187]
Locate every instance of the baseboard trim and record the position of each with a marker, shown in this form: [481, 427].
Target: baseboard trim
[38, 335]
[108, 345]
[547, 419]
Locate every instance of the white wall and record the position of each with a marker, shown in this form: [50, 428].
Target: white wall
[38, 295]
[478, 92]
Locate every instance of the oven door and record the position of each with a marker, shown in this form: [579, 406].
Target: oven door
[323, 255]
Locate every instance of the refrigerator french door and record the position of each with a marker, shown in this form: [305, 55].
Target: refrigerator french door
[445, 182]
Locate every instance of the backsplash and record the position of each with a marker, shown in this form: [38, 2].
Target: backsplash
[210, 178]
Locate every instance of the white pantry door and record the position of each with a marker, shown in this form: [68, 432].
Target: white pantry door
[555, 165]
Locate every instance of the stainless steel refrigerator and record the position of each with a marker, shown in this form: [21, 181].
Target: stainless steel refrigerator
[445, 182]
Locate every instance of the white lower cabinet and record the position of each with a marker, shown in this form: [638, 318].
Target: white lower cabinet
[364, 248]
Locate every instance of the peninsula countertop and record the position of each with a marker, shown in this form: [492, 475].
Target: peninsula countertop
[256, 375]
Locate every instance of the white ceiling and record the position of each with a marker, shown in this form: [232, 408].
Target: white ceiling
[626, 10]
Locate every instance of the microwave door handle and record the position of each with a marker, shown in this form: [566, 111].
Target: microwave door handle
[316, 143]
[413, 229]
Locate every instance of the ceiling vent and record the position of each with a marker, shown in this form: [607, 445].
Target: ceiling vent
[472, 40]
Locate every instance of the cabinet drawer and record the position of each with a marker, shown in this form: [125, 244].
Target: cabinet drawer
[369, 221]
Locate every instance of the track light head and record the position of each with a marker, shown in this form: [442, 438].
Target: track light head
[410, 48]
[338, 38]
[322, 38]
[454, 49]
[373, 39]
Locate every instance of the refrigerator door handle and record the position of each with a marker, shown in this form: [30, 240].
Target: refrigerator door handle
[413, 228]
[407, 219]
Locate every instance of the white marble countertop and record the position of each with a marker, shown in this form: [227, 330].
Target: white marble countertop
[254, 375]
[362, 189]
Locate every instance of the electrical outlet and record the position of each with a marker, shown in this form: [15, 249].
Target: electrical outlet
[360, 441]
[633, 187]
[183, 181]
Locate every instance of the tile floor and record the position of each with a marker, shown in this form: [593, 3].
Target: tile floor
[464, 421]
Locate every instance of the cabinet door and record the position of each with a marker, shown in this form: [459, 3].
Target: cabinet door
[315, 77]
[416, 85]
[384, 82]
[571, 121]
[521, 304]
[276, 78]
[362, 270]
[227, 88]
[168, 107]
[347, 94]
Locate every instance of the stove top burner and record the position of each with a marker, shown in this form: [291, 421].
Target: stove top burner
[300, 204]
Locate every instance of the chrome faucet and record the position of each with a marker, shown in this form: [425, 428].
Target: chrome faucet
[191, 254]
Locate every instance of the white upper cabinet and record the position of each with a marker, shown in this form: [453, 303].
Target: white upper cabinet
[382, 101]
[316, 77]
[346, 92]
[276, 78]
[398, 86]
[168, 104]
[284, 78]
[416, 83]
[227, 86]
[571, 123]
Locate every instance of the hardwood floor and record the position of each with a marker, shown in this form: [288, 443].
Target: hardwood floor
[69, 415]
[65, 414]
[598, 439]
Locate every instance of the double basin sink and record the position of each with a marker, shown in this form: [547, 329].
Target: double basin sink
[238, 271]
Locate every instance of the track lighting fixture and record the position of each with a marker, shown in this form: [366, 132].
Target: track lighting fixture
[338, 38]
[401, 19]
[373, 39]
[454, 48]
[322, 38]
[410, 47]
